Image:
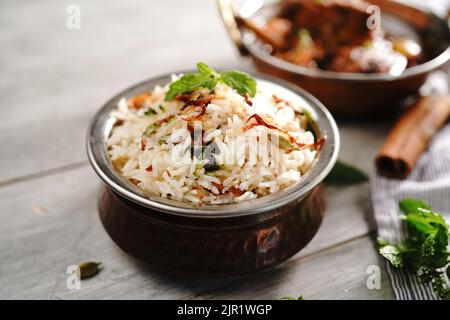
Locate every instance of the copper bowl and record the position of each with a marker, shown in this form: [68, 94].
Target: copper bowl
[211, 240]
[349, 94]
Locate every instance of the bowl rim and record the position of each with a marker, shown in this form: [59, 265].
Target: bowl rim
[100, 162]
[425, 67]
[429, 65]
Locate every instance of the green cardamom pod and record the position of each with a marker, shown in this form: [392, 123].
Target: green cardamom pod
[89, 269]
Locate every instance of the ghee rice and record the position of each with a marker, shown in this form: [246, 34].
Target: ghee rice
[213, 147]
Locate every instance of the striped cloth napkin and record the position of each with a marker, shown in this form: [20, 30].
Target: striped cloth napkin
[429, 181]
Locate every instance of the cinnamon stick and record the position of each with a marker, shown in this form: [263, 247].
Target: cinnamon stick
[410, 136]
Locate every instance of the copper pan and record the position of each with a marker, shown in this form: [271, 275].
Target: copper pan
[349, 94]
[210, 240]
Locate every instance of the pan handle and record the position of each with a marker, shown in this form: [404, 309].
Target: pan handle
[230, 20]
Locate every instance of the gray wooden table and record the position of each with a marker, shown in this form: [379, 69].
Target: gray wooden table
[54, 79]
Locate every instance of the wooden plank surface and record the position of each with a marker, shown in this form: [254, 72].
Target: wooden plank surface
[336, 273]
[55, 224]
[52, 82]
[54, 79]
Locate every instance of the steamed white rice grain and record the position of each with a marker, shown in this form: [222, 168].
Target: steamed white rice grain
[153, 148]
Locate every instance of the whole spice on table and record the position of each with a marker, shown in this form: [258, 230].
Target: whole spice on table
[89, 269]
[293, 298]
[410, 136]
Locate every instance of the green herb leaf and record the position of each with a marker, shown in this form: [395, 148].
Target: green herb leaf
[150, 112]
[239, 81]
[188, 83]
[413, 206]
[150, 129]
[206, 77]
[382, 242]
[211, 166]
[425, 249]
[311, 123]
[206, 70]
[393, 254]
[343, 173]
[439, 285]
[284, 143]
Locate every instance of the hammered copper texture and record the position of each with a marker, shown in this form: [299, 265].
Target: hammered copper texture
[211, 246]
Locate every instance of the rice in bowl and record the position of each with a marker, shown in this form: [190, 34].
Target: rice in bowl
[213, 145]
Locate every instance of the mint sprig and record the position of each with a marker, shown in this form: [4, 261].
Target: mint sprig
[206, 70]
[424, 252]
[206, 77]
[239, 81]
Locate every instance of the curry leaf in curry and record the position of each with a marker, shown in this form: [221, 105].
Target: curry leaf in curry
[206, 77]
[343, 173]
[425, 251]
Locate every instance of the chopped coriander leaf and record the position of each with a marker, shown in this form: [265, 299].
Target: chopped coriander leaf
[161, 107]
[150, 129]
[211, 166]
